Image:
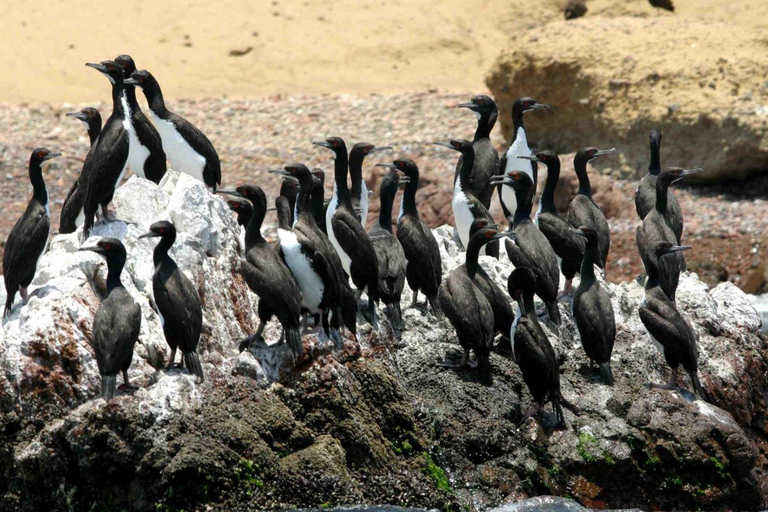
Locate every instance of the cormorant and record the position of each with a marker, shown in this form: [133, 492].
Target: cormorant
[359, 191]
[72, 211]
[486, 157]
[317, 204]
[289, 189]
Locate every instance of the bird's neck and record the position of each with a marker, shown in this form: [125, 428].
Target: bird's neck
[340, 170]
[356, 175]
[114, 270]
[118, 108]
[485, 125]
[304, 199]
[524, 199]
[130, 95]
[387, 200]
[317, 199]
[473, 253]
[580, 166]
[39, 190]
[160, 255]
[409, 196]
[528, 308]
[465, 174]
[661, 196]
[654, 167]
[548, 195]
[154, 96]
[94, 130]
[253, 229]
[517, 123]
[588, 263]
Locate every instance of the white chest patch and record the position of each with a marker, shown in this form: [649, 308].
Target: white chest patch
[346, 261]
[364, 203]
[47, 238]
[137, 154]
[461, 213]
[518, 315]
[310, 283]
[518, 148]
[181, 155]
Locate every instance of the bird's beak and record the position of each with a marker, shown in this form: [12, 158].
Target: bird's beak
[229, 192]
[95, 248]
[688, 172]
[678, 248]
[532, 158]
[445, 144]
[388, 166]
[279, 171]
[271, 209]
[51, 155]
[501, 180]
[470, 106]
[131, 81]
[77, 115]
[150, 234]
[382, 148]
[540, 106]
[292, 179]
[323, 144]
[97, 67]
[504, 234]
[404, 179]
[601, 152]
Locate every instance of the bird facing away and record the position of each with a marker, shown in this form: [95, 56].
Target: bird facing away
[669, 331]
[177, 301]
[584, 211]
[568, 246]
[146, 157]
[467, 307]
[187, 148]
[486, 157]
[28, 239]
[530, 248]
[72, 211]
[359, 192]
[117, 322]
[289, 189]
[423, 265]
[532, 350]
[593, 312]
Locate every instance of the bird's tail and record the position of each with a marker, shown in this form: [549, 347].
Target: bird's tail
[437, 310]
[484, 365]
[697, 388]
[192, 359]
[554, 312]
[395, 315]
[108, 386]
[607, 373]
[9, 303]
[293, 339]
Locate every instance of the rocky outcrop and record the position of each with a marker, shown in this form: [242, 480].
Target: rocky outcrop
[612, 79]
[369, 421]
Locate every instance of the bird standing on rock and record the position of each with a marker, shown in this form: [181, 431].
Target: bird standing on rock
[187, 148]
[72, 211]
[28, 239]
[584, 211]
[117, 322]
[177, 301]
[486, 157]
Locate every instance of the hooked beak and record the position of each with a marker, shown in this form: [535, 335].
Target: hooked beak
[382, 148]
[229, 192]
[77, 115]
[51, 155]
[678, 248]
[532, 158]
[404, 179]
[95, 248]
[445, 144]
[688, 172]
[150, 234]
[601, 152]
[504, 234]
[97, 67]
[540, 106]
[502, 179]
[323, 144]
[388, 166]
[471, 106]
[131, 81]
[279, 171]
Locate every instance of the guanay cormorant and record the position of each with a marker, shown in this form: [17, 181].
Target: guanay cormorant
[530, 248]
[467, 207]
[518, 147]
[467, 307]
[389, 252]
[669, 331]
[177, 301]
[423, 267]
[268, 277]
[347, 234]
[359, 191]
[568, 247]
[117, 322]
[28, 239]
[317, 203]
[146, 157]
[486, 156]
[657, 229]
[584, 211]
[107, 160]
[593, 312]
[289, 189]
[72, 211]
[531, 348]
[187, 148]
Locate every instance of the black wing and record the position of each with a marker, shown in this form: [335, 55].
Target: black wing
[24, 246]
[200, 143]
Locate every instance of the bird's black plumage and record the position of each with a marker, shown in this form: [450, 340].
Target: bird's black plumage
[670, 332]
[466, 206]
[567, 246]
[532, 350]
[145, 155]
[486, 157]
[423, 269]
[584, 211]
[593, 312]
[667, 5]
[389, 252]
[467, 307]
[317, 203]
[117, 322]
[359, 190]
[107, 160]
[242, 208]
[177, 300]
[205, 166]
[72, 210]
[530, 248]
[289, 189]
[656, 229]
[28, 239]
[645, 195]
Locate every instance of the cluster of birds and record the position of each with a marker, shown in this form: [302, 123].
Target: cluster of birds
[323, 249]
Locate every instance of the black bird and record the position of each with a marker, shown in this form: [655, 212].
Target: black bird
[467, 307]
[531, 348]
[117, 322]
[268, 276]
[669, 331]
[667, 5]
[518, 147]
[584, 211]
[107, 160]
[466, 206]
[146, 157]
[486, 156]
[656, 229]
[347, 235]
[593, 312]
[503, 317]
[391, 258]
[72, 211]
[289, 189]
[645, 195]
[423, 267]
[575, 9]
[359, 191]
[28, 239]
[177, 301]
[568, 247]
[187, 148]
[317, 204]
[242, 208]
[530, 248]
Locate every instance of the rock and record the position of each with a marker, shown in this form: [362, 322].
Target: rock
[613, 82]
